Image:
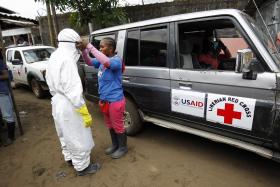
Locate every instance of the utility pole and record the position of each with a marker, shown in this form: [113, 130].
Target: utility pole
[55, 22]
[50, 23]
[90, 27]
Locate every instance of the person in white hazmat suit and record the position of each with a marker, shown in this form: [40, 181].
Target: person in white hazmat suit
[71, 117]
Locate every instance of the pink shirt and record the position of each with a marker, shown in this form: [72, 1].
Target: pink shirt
[209, 59]
[214, 62]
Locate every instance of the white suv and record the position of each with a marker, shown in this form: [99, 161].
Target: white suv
[28, 65]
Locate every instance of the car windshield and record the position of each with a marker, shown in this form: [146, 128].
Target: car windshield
[37, 55]
[264, 38]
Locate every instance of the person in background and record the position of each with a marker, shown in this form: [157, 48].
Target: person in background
[6, 105]
[211, 52]
[71, 117]
[22, 42]
[112, 100]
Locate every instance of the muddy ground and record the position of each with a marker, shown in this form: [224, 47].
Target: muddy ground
[156, 157]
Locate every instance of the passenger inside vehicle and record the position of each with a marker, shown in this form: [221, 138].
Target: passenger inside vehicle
[189, 55]
[220, 38]
[212, 55]
[44, 55]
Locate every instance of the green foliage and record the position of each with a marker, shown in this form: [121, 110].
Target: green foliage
[100, 12]
[75, 19]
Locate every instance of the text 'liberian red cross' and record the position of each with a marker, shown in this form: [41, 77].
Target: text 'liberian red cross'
[228, 113]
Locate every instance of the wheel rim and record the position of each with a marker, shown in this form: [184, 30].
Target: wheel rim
[35, 87]
[127, 119]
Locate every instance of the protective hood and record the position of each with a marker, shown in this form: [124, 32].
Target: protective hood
[62, 74]
[67, 39]
[68, 35]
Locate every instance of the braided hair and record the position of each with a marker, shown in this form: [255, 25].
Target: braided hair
[110, 42]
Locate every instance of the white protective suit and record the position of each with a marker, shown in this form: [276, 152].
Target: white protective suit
[66, 88]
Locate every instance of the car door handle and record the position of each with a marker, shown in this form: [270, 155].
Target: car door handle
[126, 79]
[185, 86]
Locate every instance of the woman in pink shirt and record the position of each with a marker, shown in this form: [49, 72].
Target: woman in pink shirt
[112, 100]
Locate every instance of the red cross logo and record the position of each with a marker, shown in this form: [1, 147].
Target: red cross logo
[228, 113]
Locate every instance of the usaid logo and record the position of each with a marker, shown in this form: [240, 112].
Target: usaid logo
[192, 103]
[176, 100]
[188, 102]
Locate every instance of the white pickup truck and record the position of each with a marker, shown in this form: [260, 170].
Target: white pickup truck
[28, 66]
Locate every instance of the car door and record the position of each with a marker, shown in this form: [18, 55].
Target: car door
[23, 68]
[19, 68]
[147, 75]
[10, 56]
[221, 100]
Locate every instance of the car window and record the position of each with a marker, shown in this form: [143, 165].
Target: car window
[95, 40]
[132, 49]
[153, 47]
[36, 55]
[262, 34]
[211, 45]
[17, 55]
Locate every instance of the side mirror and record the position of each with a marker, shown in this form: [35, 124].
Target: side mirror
[244, 63]
[17, 62]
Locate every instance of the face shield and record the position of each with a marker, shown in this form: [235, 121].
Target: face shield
[211, 37]
[215, 48]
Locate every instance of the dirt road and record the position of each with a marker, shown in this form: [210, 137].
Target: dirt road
[156, 157]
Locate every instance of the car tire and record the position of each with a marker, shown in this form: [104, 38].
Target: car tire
[132, 120]
[37, 88]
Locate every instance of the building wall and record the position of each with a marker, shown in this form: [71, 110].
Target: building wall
[138, 13]
[63, 22]
[149, 11]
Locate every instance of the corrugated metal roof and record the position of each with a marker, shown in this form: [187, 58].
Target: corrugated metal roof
[5, 10]
[12, 21]
[17, 23]
[16, 17]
